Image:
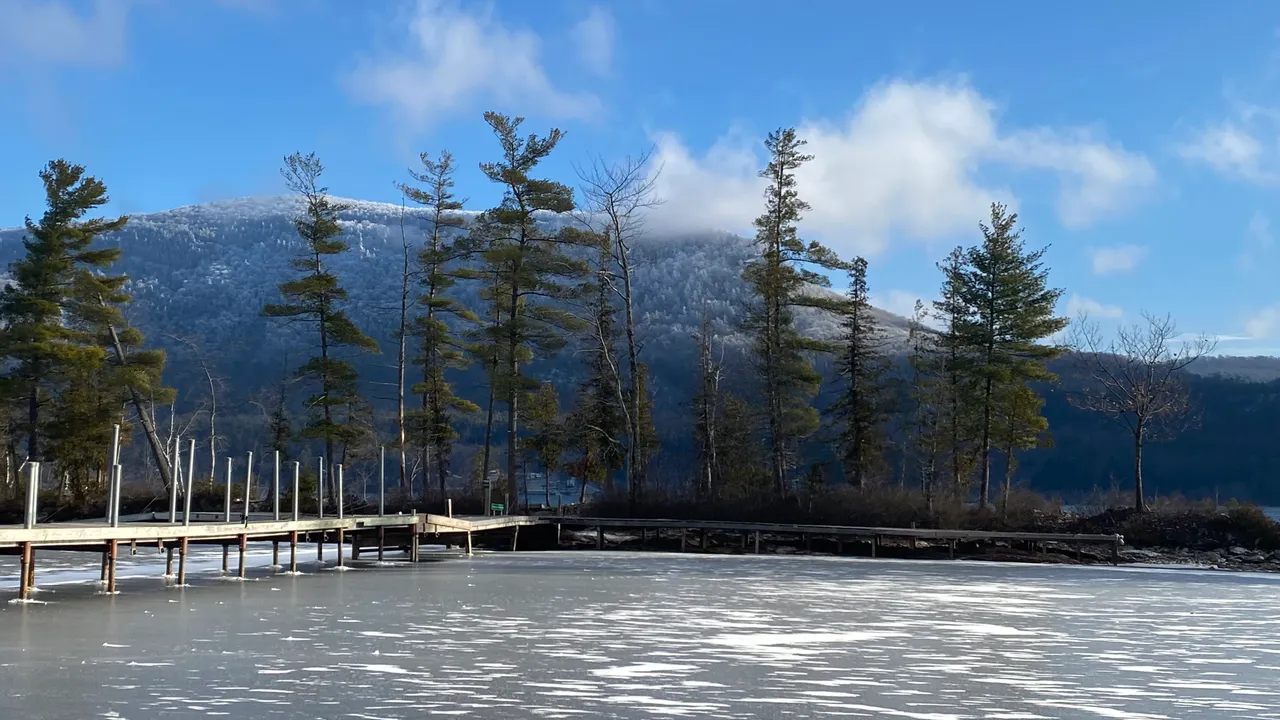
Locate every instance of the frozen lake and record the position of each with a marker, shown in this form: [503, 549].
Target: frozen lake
[624, 635]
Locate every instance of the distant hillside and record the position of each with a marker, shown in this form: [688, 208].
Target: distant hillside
[203, 273]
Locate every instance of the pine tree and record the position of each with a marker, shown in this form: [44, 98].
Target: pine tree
[62, 320]
[529, 262]
[777, 278]
[1018, 425]
[546, 434]
[928, 404]
[647, 438]
[1011, 308]
[440, 349]
[862, 405]
[316, 298]
[952, 365]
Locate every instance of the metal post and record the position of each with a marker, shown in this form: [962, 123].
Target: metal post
[227, 508]
[248, 485]
[275, 490]
[297, 482]
[115, 445]
[338, 488]
[33, 495]
[191, 486]
[382, 480]
[115, 502]
[320, 490]
[175, 470]
[448, 506]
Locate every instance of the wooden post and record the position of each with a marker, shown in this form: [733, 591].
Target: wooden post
[244, 544]
[182, 562]
[951, 548]
[600, 538]
[226, 558]
[341, 540]
[468, 542]
[413, 543]
[112, 551]
[382, 542]
[684, 538]
[275, 553]
[168, 561]
[704, 539]
[757, 542]
[355, 546]
[293, 547]
[515, 535]
[320, 549]
[24, 566]
[875, 543]
[103, 576]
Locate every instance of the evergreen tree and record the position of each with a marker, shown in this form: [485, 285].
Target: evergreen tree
[317, 299]
[546, 434]
[647, 438]
[952, 365]
[528, 261]
[440, 349]
[861, 407]
[928, 404]
[706, 411]
[1011, 309]
[1018, 426]
[777, 278]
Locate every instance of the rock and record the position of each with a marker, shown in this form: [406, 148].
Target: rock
[1237, 550]
[1254, 559]
[1139, 554]
[1275, 557]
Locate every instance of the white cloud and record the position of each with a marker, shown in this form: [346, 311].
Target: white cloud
[899, 302]
[1119, 258]
[454, 58]
[594, 36]
[1264, 323]
[1077, 305]
[1229, 149]
[1258, 240]
[905, 163]
[36, 34]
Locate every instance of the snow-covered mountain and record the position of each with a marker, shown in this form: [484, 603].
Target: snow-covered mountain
[205, 271]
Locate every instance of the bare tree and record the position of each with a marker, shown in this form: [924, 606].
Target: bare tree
[615, 198]
[707, 407]
[213, 383]
[1136, 379]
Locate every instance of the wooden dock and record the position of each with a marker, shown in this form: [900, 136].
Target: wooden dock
[874, 536]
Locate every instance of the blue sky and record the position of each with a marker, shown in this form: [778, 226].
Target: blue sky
[1140, 139]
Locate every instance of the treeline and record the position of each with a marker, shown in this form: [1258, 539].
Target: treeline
[555, 266]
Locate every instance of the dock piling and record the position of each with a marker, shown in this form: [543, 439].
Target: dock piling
[24, 566]
[413, 543]
[244, 545]
[600, 538]
[112, 553]
[227, 504]
[191, 485]
[275, 554]
[757, 539]
[182, 560]
[293, 547]
[382, 542]
[515, 536]
[468, 543]
[340, 533]
[226, 556]
[275, 495]
[29, 516]
[168, 561]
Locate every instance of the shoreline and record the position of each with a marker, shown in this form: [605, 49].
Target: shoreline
[1228, 559]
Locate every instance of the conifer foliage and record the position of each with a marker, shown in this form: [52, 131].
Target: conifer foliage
[777, 278]
[862, 407]
[316, 300]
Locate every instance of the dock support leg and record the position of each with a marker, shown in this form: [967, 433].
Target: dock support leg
[23, 567]
[113, 548]
[744, 541]
[684, 539]
[226, 558]
[600, 538]
[382, 542]
[182, 562]
[704, 540]
[340, 543]
[808, 542]
[31, 569]
[413, 543]
[644, 537]
[168, 561]
[244, 545]
[757, 541]
[515, 536]
[102, 578]
[320, 549]
[275, 553]
[355, 546]
[468, 543]
[875, 543]
[293, 551]
[839, 546]
[951, 549]
[1115, 553]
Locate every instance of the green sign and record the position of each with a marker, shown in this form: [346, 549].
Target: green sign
[497, 507]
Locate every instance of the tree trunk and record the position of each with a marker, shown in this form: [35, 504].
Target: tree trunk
[400, 367]
[513, 395]
[1008, 480]
[636, 470]
[984, 493]
[1139, 501]
[140, 406]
